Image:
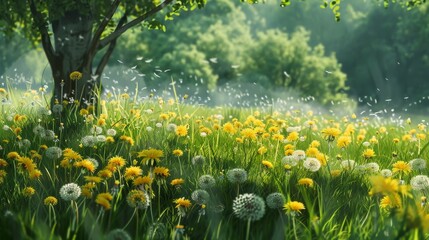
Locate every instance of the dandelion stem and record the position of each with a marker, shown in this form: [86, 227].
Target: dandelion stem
[248, 229]
[294, 228]
[131, 218]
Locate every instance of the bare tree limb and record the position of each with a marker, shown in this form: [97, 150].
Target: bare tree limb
[105, 41]
[42, 26]
[97, 34]
[105, 59]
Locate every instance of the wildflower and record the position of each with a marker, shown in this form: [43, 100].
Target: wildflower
[275, 200]
[3, 174]
[138, 199]
[229, 128]
[200, 196]
[116, 161]
[151, 156]
[384, 185]
[293, 136]
[248, 206]
[86, 164]
[28, 191]
[35, 174]
[390, 201]
[343, 141]
[294, 207]
[105, 173]
[75, 75]
[418, 164]
[177, 152]
[142, 181]
[335, 172]
[262, 150]
[206, 182]
[308, 182]
[299, 154]
[93, 179]
[386, 173]
[182, 204]
[248, 133]
[181, 131]
[127, 139]
[330, 133]
[401, 167]
[198, 160]
[267, 164]
[312, 152]
[419, 182]
[132, 172]
[368, 153]
[111, 132]
[161, 172]
[51, 200]
[171, 127]
[372, 167]
[236, 175]
[3, 163]
[177, 182]
[12, 155]
[104, 199]
[348, 164]
[312, 164]
[290, 160]
[70, 191]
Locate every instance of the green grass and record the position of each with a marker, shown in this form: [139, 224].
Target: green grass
[337, 206]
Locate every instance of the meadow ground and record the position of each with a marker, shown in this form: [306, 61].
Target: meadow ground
[166, 169]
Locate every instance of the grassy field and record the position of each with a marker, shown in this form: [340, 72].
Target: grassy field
[165, 169]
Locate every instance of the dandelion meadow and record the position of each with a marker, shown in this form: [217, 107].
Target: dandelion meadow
[160, 168]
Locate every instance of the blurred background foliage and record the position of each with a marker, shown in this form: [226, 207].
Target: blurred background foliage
[372, 52]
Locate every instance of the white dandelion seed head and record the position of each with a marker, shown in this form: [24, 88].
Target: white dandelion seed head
[89, 141]
[6, 127]
[348, 164]
[70, 191]
[290, 160]
[101, 138]
[418, 164]
[203, 134]
[57, 109]
[118, 233]
[53, 153]
[366, 144]
[111, 132]
[48, 135]
[158, 125]
[236, 175]
[96, 130]
[149, 129]
[200, 196]
[419, 182]
[275, 200]
[386, 173]
[24, 144]
[171, 127]
[206, 182]
[248, 206]
[39, 130]
[148, 111]
[198, 160]
[372, 167]
[299, 154]
[293, 129]
[312, 164]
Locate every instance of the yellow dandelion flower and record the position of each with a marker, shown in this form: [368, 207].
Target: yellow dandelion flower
[307, 182]
[117, 161]
[104, 199]
[86, 164]
[391, 201]
[161, 172]
[3, 163]
[151, 155]
[384, 185]
[368, 153]
[331, 133]
[35, 174]
[12, 155]
[278, 137]
[177, 152]
[401, 167]
[181, 131]
[248, 133]
[75, 75]
[294, 207]
[182, 202]
[312, 152]
[50, 200]
[229, 128]
[142, 180]
[267, 164]
[292, 137]
[28, 191]
[343, 141]
[335, 173]
[110, 139]
[132, 172]
[93, 179]
[177, 181]
[262, 150]
[105, 173]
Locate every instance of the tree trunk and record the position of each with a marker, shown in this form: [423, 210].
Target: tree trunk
[72, 36]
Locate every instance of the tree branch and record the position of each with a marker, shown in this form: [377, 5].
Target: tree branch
[106, 56]
[97, 35]
[41, 25]
[105, 41]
